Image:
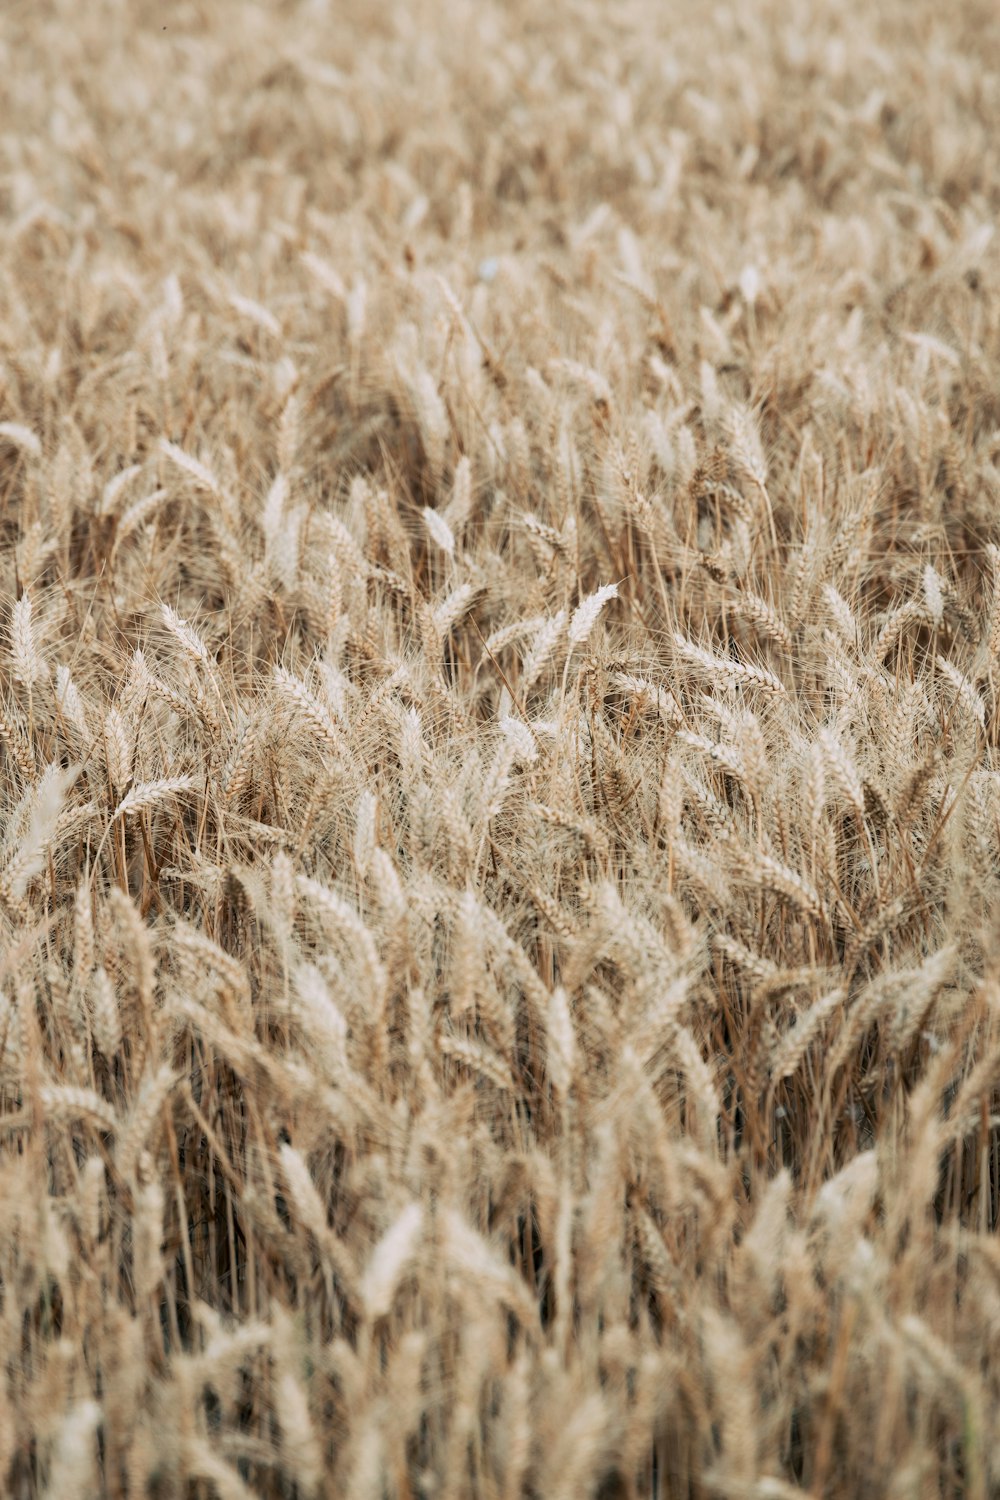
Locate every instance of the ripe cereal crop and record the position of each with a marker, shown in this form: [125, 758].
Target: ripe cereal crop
[499, 750]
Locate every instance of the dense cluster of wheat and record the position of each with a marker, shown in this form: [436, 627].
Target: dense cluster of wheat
[500, 705]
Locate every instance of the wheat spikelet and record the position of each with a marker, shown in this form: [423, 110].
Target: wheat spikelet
[232, 1047]
[745, 445]
[323, 1023]
[147, 794]
[883, 920]
[22, 437]
[70, 702]
[350, 926]
[186, 636]
[237, 772]
[391, 894]
[765, 619]
[205, 955]
[756, 965]
[295, 691]
[117, 750]
[717, 815]
[163, 691]
[28, 663]
[283, 895]
[515, 631]
[726, 667]
[585, 615]
[83, 934]
[61, 1102]
[199, 472]
[439, 530]
[467, 976]
[772, 875]
[934, 593]
[306, 1201]
[303, 1458]
[496, 783]
[703, 871]
[700, 1081]
[134, 1135]
[477, 1057]
[993, 629]
[726, 757]
[42, 831]
[520, 741]
[581, 1441]
[16, 744]
[842, 770]
[970, 699]
[662, 1270]
[290, 424]
[91, 1198]
[365, 833]
[910, 613]
[12, 1050]
[591, 379]
[841, 614]
[260, 316]
[808, 1027]
[116, 487]
[542, 647]
[473, 1261]
[148, 1228]
[73, 1473]
[451, 609]
[433, 419]
[917, 991]
[561, 1042]
[105, 1013]
[389, 1260]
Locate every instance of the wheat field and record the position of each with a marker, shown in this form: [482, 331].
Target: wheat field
[500, 719]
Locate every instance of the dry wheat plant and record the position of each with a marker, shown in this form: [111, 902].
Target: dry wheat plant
[500, 718]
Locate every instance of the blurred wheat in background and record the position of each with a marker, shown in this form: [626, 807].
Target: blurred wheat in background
[500, 719]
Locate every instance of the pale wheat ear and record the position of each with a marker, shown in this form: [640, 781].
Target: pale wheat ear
[142, 797]
[584, 617]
